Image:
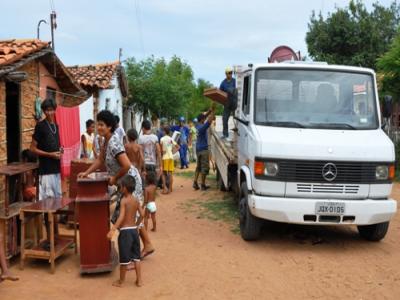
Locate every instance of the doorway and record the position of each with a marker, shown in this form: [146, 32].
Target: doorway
[13, 132]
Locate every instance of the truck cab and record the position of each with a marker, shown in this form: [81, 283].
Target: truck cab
[310, 148]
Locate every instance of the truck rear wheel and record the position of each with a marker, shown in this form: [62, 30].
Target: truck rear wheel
[374, 232]
[250, 226]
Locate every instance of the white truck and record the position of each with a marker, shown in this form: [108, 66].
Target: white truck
[308, 149]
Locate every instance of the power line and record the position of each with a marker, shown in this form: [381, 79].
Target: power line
[139, 25]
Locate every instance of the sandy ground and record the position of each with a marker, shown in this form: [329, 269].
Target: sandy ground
[202, 259]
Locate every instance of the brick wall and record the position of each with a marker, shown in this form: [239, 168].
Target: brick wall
[28, 92]
[3, 138]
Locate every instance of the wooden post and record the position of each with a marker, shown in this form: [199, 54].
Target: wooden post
[6, 197]
[95, 103]
[52, 249]
[22, 259]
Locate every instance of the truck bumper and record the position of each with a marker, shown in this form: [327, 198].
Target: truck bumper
[302, 211]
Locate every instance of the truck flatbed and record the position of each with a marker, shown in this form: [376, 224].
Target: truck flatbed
[227, 148]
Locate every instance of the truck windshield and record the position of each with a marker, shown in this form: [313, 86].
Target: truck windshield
[315, 99]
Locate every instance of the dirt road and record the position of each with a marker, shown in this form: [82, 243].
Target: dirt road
[200, 258]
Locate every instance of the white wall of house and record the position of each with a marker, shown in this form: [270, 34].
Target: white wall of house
[132, 119]
[110, 99]
[85, 113]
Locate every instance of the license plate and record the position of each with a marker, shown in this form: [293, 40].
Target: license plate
[330, 208]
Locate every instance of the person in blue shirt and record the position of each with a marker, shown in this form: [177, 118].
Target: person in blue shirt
[183, 142]
[203, 163]
[228, 85]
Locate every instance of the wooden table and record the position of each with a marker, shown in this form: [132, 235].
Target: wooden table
[97, 253]
[59, 244]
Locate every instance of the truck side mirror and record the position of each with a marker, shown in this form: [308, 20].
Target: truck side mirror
[387, 106]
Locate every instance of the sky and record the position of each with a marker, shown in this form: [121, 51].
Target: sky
[209, 34]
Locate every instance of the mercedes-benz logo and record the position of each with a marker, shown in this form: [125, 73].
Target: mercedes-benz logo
[329, 172]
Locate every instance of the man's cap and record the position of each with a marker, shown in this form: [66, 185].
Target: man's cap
[195, 120]
[182, 119]
[228, 70]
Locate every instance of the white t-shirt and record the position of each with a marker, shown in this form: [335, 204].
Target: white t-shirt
[149, 144]
[121, 133]
[167, 144]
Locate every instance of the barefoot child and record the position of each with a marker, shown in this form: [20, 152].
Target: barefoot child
[128, 239]
[150, 200]
[134, 150]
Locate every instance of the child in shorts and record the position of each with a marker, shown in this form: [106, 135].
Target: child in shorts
[168, 148]
[128, 239]
[149, 203]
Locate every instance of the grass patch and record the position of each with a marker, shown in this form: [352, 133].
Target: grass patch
[219, 207]
[190, 175]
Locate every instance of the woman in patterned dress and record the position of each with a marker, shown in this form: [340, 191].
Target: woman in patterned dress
[118, 165]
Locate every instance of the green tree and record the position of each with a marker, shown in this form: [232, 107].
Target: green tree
[353, 35]
[389, 69]
[165, 88]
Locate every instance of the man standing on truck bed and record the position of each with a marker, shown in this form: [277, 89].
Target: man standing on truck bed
[203, 164]
[228, 85]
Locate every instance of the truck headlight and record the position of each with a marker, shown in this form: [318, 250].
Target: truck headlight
[382, 172]
[385, 172]
[271, 169]
[262, 168]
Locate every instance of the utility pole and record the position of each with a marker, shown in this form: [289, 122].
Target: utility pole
[120, 55]
[53, 25]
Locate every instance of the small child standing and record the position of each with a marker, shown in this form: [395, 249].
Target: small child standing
[128, 239]
[168, 148]
[134, 150]
[150, 200]
[87, 141]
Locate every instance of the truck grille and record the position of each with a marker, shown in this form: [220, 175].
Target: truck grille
[312, 171]
[328, 188]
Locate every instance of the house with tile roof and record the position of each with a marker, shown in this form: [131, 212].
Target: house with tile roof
[107, 86]
[30, 71]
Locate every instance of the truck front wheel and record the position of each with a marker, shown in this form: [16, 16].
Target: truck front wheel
[250, 226]
[374, 232]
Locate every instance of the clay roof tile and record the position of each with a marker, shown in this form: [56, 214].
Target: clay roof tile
[99, 75]
[13, 50]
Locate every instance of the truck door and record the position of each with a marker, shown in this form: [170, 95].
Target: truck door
[244, 116]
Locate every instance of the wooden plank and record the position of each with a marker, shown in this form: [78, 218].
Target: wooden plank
[48, 205]
[17, 168]
[228, 148]
[216, 95]
[13, 210]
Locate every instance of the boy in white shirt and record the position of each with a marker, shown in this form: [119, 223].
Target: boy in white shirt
[168, 148]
